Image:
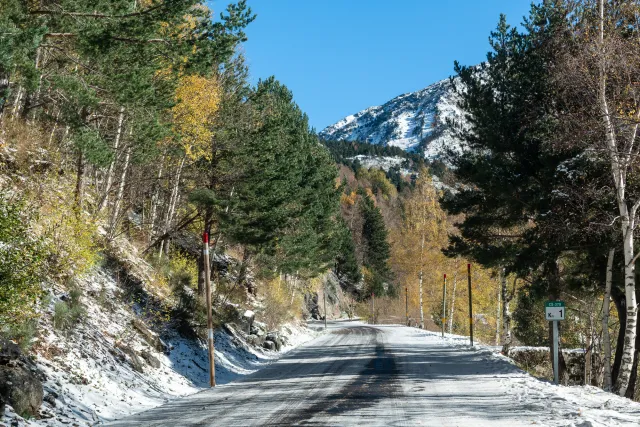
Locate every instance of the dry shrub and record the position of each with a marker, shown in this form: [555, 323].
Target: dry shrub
[279, 305]
[29, 143]
[69, 235]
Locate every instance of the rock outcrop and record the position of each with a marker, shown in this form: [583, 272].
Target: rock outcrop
[20, 381]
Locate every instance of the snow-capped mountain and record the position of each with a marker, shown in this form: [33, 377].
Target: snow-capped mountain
[413, 121]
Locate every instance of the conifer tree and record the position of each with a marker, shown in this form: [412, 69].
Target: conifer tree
[376, 248]
[509, 198]
[284, 206]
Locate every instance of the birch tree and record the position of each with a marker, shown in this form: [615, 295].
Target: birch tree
[606, 304]
[599, 86]
[423, 231]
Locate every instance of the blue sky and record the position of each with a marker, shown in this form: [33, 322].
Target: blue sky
[341, 56]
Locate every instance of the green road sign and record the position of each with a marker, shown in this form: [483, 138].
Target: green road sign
[554, 310]
[554, 304]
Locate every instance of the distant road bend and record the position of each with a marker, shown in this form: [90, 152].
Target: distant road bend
[357, 374]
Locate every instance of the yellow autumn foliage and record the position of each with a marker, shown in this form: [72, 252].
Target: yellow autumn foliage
[197, 102]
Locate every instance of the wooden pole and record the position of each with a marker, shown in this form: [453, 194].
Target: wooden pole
[324, 294]
[406, 303]
[373, 308]
[444, 303]
[207, 280]
[470, 304]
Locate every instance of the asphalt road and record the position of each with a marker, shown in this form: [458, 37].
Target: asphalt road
[357, 374]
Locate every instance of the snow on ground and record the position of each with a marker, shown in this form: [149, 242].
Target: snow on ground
[380, 162]
[573, 406]
[382, 375]
[90, 381]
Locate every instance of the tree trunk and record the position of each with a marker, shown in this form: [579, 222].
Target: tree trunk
[4, 92]
[589, 350]
[420, 276]
[629, 348]
[53, 129]
[420, 295]
[32, 98]
[498, 311]
[619, 167]
[17, 103]
[620, 303]
[242, 272]
[606, 303]
[173, 201]
[155, 200]
[506, 315]
[80, 169]
[118, 202]
[631, 390]
[112, 165]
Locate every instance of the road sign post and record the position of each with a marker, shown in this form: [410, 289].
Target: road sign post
[555, 311]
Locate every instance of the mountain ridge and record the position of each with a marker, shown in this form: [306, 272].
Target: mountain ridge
[414, 121]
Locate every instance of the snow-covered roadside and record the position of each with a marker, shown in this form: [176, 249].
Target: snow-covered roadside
[576, 406]
[105, 369]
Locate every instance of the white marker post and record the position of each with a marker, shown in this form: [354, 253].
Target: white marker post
[555, 311]
[207, 281]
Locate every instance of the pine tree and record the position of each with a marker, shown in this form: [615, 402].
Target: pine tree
[285, 202]
[347, 267]
[513, 214]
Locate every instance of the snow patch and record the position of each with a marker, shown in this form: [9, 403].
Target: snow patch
[90, 380]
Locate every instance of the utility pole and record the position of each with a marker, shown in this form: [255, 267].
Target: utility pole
[373, 308]
[207, 280]
[444, 303]
[470, 305]
[324, 295]
[406, 303]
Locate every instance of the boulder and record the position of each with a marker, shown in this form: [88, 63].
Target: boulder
[150, 359]
[269, 345]
[21, 388]
[8, 351]
[133, 359]
[254, 340]
[247, 320]
[259, 329]
[50, 399]
[151, 338]
[275, 338]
